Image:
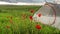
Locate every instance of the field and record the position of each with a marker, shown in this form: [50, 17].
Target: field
[15, 20]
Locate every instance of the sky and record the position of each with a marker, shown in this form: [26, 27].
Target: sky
[29, 1]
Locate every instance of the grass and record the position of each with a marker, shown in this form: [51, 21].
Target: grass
[20, 25]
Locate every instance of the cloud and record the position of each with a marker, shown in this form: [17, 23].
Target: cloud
[29, 1]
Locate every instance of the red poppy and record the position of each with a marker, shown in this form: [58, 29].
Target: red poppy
[32, 11]
[39, 15]
[7, 26]
[38, 27]
[31, 18]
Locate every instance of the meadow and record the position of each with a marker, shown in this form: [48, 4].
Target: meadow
[16, 20]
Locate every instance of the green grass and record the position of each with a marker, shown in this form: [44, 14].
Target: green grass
[20, 26]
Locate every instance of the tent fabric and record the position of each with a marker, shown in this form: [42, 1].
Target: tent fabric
[48, 15]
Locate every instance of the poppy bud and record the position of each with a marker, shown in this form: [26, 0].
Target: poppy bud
[32, 11]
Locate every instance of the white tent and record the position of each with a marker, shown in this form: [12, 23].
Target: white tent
[50, 15]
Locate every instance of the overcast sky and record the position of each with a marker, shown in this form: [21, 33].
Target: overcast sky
[33, 1]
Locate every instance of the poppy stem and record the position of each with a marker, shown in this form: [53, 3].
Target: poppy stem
[32, 31]
[31, 28]
[38, 32]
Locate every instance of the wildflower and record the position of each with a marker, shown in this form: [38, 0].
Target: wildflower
[32, 11]
[38, 27]
[39, 15]
[31, 18]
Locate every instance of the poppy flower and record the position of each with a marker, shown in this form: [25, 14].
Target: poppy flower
[32, 11]
[31, 18]
[7, 26]
[39, 15]
[38, 27]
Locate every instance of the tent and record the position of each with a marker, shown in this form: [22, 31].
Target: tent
[50, 15]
